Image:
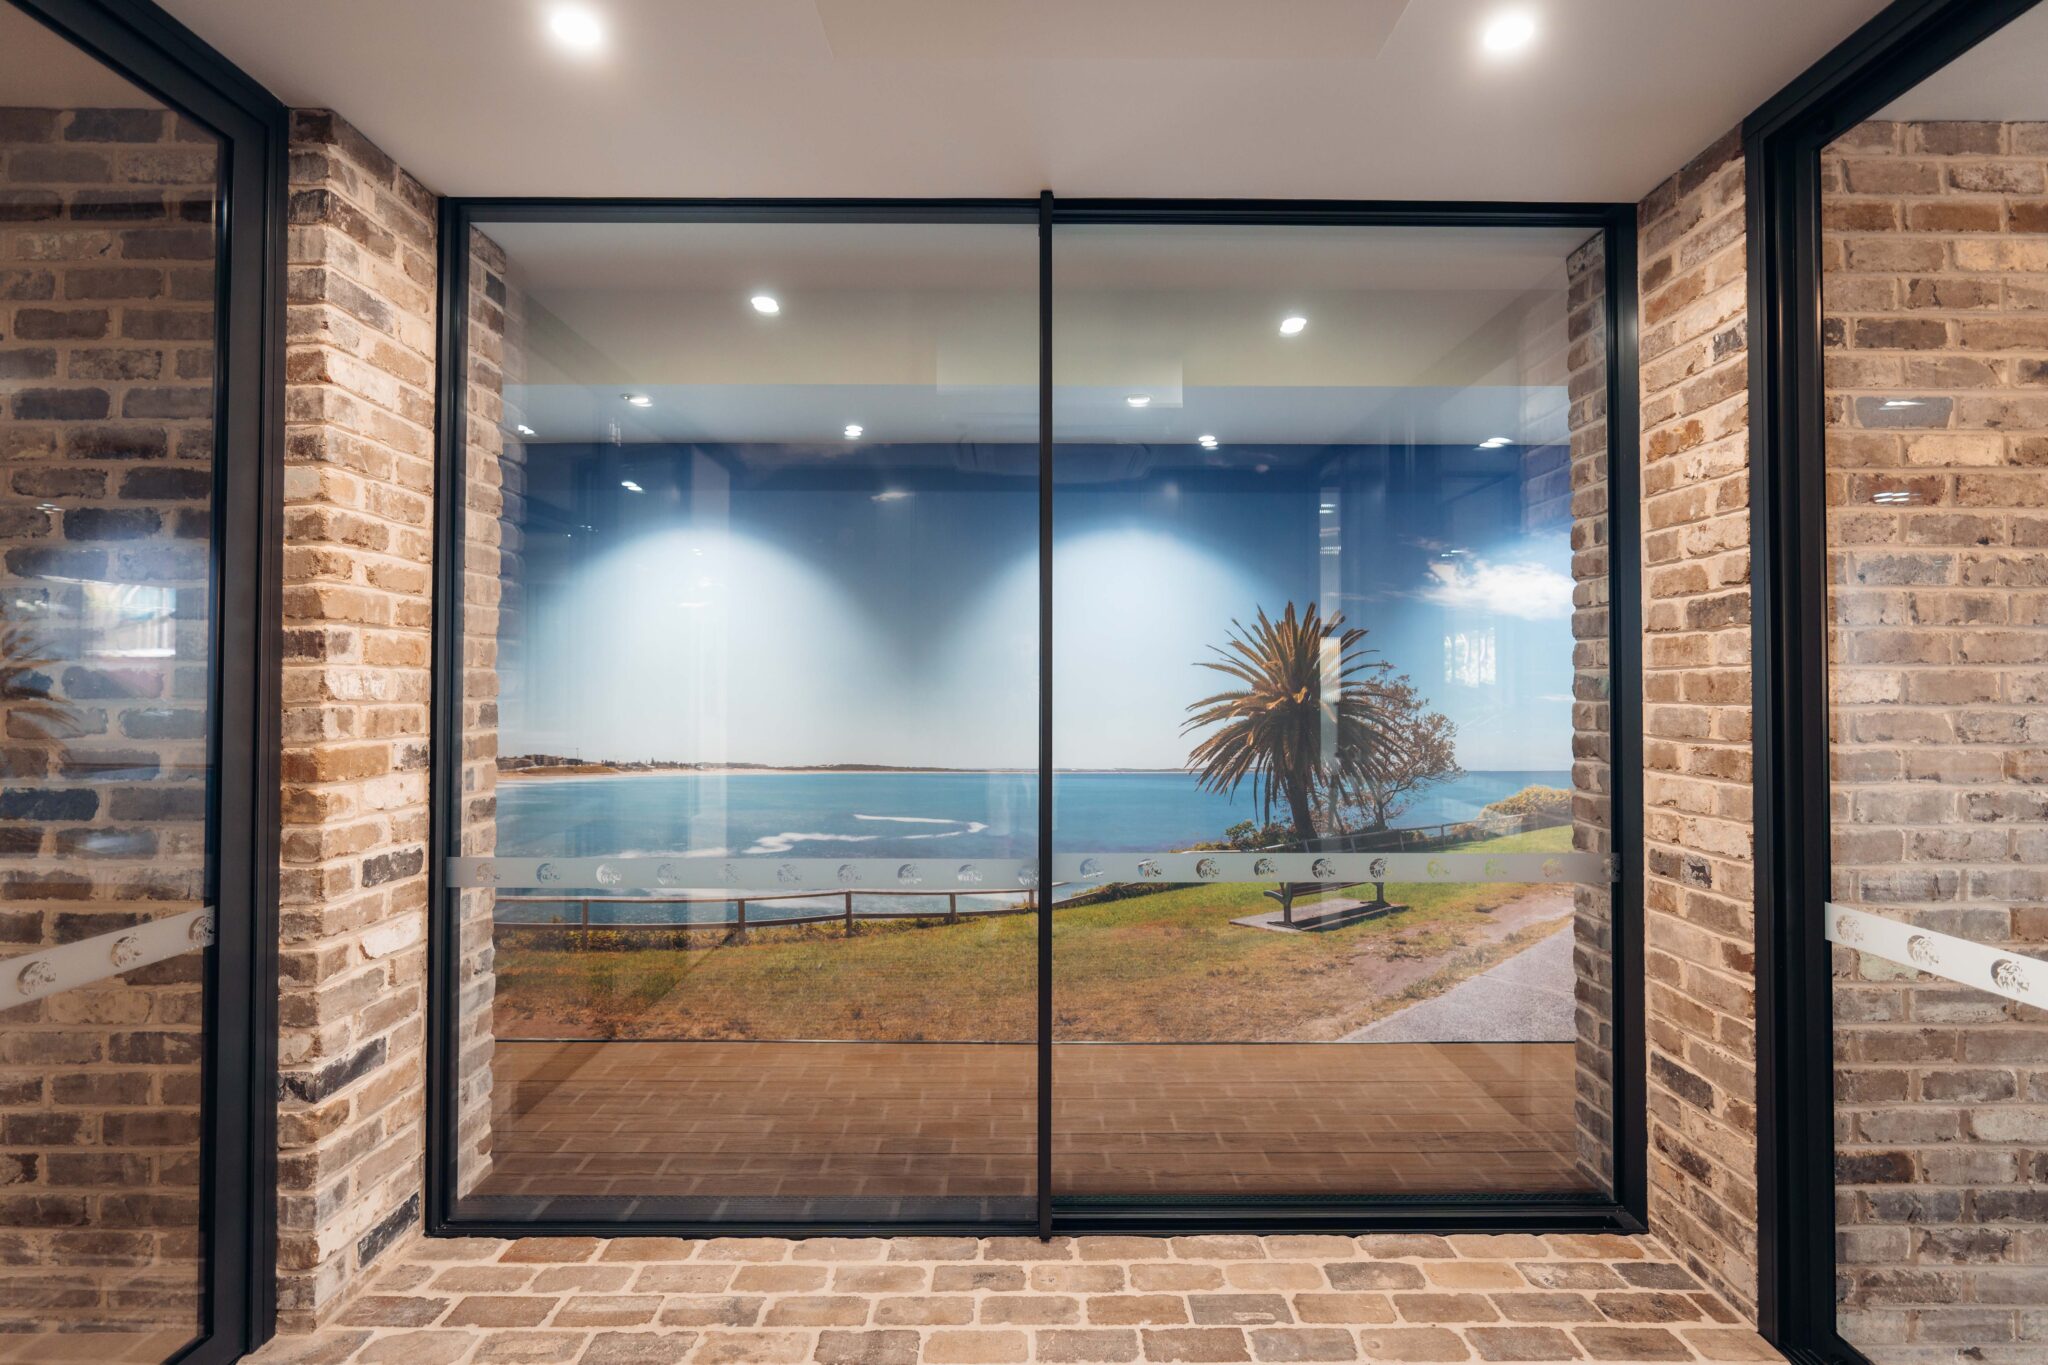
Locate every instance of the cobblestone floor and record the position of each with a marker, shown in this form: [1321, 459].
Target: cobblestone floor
[934, 1300]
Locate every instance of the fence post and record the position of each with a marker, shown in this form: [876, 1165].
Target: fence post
[585, 917]
[849, 914]
[742, 926]
[952, 907]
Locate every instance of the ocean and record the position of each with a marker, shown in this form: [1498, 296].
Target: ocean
[888, 815]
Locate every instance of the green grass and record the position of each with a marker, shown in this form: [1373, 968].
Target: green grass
[1167, 965]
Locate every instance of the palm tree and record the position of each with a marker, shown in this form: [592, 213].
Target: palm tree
[1272, 729]
[24, 692]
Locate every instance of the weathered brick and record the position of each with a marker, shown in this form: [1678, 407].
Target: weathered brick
[1698, 837]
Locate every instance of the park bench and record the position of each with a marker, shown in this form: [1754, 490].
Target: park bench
[1286, 892]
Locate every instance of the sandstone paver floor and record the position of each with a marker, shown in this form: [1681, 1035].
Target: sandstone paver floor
[957, 1300]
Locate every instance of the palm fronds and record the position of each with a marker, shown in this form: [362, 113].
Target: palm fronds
[24, 690]
[1310, 712]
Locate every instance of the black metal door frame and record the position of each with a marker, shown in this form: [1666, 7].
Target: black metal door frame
[1782, 145]
[1623, 1210]
[238, 1203]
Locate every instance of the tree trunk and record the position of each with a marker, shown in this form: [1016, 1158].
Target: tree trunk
[1303, 811]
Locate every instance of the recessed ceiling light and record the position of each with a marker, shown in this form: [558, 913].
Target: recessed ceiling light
[1206, 442]
[853, 431]
[767, 304]
[638, 400]
[1139, 400]
[889, 495]
[525, 430]
[1509, 32]
[630, 486]
[576, 29]
[1291, 325]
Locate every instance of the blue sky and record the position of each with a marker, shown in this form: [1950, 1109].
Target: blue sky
[887, 612]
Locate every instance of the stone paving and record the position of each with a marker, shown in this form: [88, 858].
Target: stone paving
[961, 1300]
[709, 1121]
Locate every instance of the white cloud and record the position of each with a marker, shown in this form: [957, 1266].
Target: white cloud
[1533, 592]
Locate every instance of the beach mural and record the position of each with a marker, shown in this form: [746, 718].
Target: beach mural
[885, 613]
[743, 658]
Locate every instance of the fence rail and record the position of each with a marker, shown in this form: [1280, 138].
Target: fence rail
[1418, 837]
[742, 922]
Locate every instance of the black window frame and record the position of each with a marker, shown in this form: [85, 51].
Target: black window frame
[238, 1181]
[1782, 144]
[1624, 1210]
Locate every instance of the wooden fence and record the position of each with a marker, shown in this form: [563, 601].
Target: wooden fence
[848, 914]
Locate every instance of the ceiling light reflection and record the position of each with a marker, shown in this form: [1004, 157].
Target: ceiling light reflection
[1510, 32]
[576, 29]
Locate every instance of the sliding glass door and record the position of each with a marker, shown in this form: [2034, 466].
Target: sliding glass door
[137, 699]
[749, 814]
[1327, 787]
[748, 904]
[1934, 271]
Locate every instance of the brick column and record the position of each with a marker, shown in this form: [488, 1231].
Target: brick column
[493, 486]
[1584, 471]
[1699, 915]
[358, 548]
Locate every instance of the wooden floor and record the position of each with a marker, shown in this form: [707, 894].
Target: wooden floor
[916, 1123]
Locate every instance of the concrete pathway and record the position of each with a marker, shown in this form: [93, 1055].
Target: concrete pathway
[1526, 999]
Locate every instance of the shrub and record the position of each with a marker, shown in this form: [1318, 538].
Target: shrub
[1553, 802]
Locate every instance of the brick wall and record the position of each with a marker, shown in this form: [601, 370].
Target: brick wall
[1585, 470]
[1935, 257]
[1699, 924]
[494, 486]
[358, 547]
[106, 476]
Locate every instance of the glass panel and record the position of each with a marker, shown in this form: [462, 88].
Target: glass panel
[1935, 277]
[107, 244]
[1330, 777]
[750, 633]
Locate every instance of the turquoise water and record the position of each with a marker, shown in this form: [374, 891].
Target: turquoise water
[889, 815]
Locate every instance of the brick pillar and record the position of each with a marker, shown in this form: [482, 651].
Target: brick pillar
[1584, 476]
[358, 549]
[493, 487]
[1699, 915]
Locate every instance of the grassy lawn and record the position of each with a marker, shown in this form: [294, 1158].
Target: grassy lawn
[1162, 966]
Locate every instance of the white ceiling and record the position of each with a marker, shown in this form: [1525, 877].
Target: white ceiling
[929, 332]
[1371, 99]
[2001, 79]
